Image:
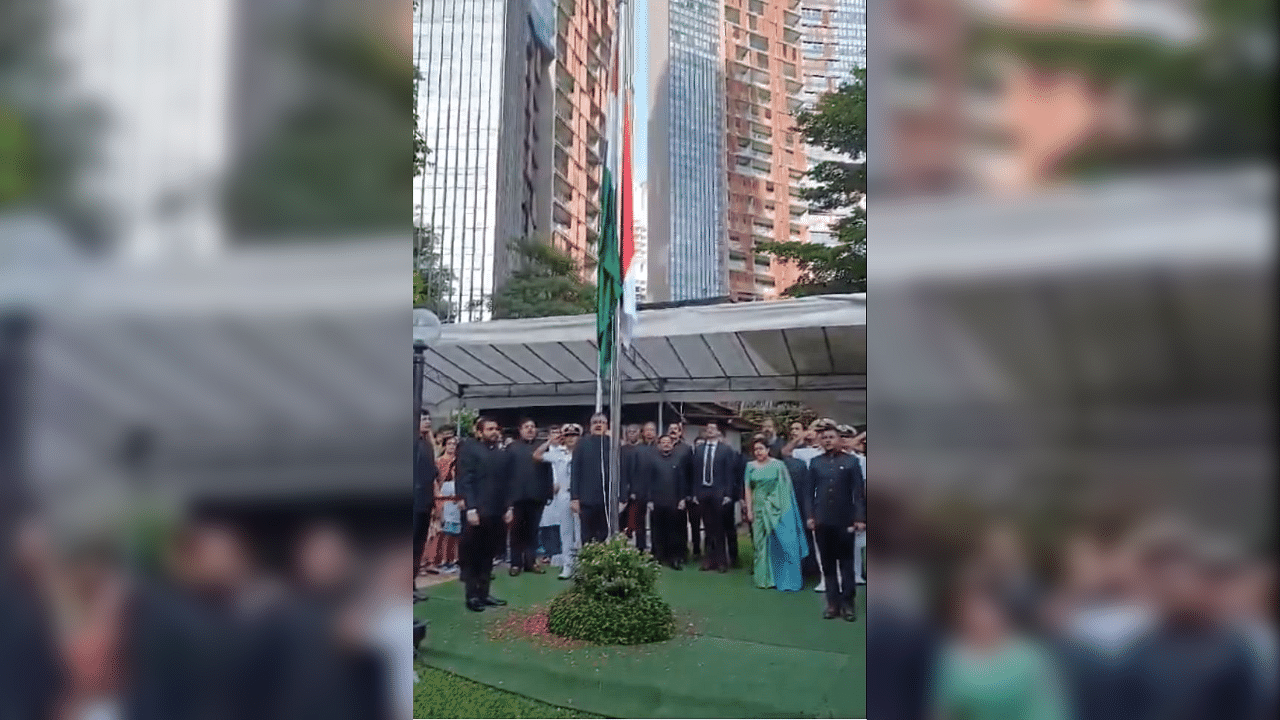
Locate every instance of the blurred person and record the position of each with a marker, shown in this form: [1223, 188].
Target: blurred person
[1003, 556]
[1244, 600]
[799, 471]
[838, 510]
[769, 430]
[557, 452]
[985, 670]
[485, 483]
[1188, 664]
[1097, 616]
[589, 478]
[90, 596]
[773, 513]
[902, 634]
[855, 443]
[32, 673]
[634, 518]
[442, 547]
[668, 474]
[716, 477]
[532, 488]
[649, 434]
[424, 478]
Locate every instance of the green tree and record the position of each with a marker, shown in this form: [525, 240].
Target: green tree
[546, 283]
[1207, 100]
[838, 124]
[335, 162]
[432, 281]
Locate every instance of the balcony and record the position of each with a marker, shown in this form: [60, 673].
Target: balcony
[790, 19]
[790, 36]
[798, 210]
[794, 86]
[564, 133]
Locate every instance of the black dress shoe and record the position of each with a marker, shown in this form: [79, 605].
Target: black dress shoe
[419, 595]
[722, 569]
[476, 605]
[830, 613]
[494, 602]
[850, 614]
[514, 571]
[676, 566]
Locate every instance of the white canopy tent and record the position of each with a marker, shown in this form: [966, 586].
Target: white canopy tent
[810, 349]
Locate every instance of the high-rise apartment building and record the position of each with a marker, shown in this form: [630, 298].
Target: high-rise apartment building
[833, 44]
[511, 103]
[576, 116]
[765, 156]
[686, 174]
[640, 240]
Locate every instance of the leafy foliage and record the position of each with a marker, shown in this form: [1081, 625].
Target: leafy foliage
[838, 124]
[613, 600]
[783, 414]
[432, 281]
[334, 163]
[546, 283]
[1221, 84]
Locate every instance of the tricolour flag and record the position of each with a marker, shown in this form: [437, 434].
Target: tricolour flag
[610, 270]
[627, 221]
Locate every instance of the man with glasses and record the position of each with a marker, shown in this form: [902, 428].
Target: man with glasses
[589, 478]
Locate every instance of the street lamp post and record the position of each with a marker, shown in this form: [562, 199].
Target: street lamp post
[426, 331]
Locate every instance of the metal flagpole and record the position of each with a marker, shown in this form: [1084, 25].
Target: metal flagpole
[615, 368]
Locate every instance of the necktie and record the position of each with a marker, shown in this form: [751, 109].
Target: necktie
[706, 465]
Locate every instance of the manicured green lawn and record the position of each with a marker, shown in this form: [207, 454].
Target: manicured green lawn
[746, 653]
[441, 694]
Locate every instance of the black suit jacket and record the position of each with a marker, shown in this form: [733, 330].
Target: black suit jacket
[667, 477]
[724, 471]
[484, 478]
[424, 476]
[589, 470]
[839, 492]
[531, 480]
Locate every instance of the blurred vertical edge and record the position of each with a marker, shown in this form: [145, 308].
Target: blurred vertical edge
[1073, 344]
[205, 226]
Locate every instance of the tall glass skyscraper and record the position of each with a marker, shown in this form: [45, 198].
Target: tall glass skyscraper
[687, 190]
[459, 48]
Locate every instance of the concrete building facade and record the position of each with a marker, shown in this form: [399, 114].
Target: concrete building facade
[765, 157]
[511, 98]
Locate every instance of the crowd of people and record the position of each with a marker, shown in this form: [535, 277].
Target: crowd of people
[196, 625]
[487, 498]
[1137, 619]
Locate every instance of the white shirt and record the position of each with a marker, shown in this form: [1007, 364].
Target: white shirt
[560, 458]
[862, 462]
[805, 454]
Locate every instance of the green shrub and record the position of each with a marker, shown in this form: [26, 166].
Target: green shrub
[612, 600]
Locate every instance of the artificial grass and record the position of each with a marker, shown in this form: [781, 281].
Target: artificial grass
[758, 653]
[441, 694]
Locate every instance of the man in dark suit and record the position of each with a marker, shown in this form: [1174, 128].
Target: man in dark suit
[589, 480]
[769, 429]
[424, 482]
[532, 488]
[632, 518]
[838, 509]
[714, 479]
[667, 481]
[691, 529]
[484, 481]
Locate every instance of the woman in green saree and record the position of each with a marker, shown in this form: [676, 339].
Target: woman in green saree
[771, 508]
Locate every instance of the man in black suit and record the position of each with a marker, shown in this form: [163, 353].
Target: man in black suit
[424, 482]
[691, 529]
[838, 509]
[714, 479]
[589, 481]
[631, 519]
[531, 488]
[667, 480]
[484, 481]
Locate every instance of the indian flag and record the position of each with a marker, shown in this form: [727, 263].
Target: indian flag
[616, 289]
